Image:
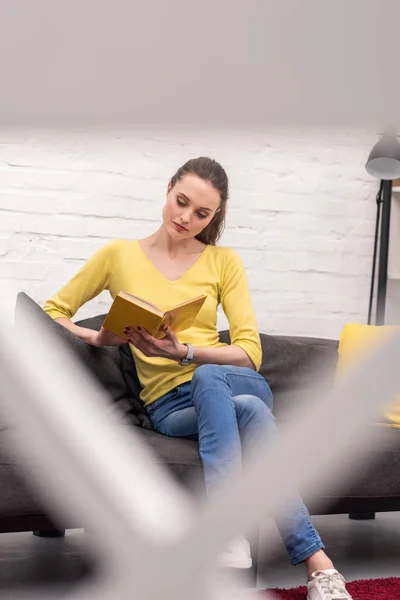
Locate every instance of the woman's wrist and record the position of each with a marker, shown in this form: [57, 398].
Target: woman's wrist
[93, 339]
[180, 352]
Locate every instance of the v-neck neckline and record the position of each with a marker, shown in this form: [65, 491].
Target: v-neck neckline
[172, 281]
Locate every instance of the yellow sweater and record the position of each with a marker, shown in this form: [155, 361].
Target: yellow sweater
[121, 265]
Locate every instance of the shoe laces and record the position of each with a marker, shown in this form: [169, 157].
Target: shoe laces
[333, 585]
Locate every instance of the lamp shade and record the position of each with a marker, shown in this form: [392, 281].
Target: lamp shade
[384, 159]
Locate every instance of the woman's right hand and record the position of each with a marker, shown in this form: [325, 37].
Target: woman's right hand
[106, 338]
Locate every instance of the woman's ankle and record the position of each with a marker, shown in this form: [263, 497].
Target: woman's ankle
[317, 562]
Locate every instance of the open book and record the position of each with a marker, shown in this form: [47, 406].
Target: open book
[134, 311]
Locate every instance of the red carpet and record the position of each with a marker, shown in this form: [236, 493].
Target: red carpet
[365, 589]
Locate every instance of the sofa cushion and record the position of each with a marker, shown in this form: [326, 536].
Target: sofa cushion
[179, 456]
[375, 474]
[376, 478]
[292, 365]
[126, 369]
[357, 342]
[19, 498]
[104, 364]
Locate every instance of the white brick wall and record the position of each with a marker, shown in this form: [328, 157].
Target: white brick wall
[301, 215]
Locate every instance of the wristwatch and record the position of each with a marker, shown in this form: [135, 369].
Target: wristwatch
[189, 356]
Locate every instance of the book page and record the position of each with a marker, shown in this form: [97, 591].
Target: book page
[141, 302]
[191, 301]
[181, 317]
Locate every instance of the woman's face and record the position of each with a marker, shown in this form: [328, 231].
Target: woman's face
[190, 206]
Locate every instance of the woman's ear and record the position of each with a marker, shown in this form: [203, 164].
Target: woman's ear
[169, 188]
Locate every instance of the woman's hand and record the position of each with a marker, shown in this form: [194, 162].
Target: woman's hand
[167, 347]
[106, 338]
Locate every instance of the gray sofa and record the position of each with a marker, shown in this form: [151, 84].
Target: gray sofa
[288, 365]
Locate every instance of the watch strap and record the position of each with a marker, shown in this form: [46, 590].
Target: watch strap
[189, 355]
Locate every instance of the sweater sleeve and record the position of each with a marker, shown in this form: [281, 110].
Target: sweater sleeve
[238, 308]
[89, 282]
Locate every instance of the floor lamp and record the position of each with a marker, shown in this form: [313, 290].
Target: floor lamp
[384, 164]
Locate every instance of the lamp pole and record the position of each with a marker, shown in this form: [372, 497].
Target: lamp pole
[383, 252]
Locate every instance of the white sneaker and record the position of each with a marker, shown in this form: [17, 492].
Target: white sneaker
[236, 556]
[327, 585]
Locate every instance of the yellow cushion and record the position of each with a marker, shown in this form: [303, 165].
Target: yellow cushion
[356, 342]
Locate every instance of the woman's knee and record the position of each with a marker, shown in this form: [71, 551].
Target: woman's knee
[266, 395]
[206, 374]
[253, 407]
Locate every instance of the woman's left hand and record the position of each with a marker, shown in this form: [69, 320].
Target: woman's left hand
[167, 347]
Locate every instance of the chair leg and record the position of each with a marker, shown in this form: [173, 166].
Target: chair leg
[362, 516]
[50, 533]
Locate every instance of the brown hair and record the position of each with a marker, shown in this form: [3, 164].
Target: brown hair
[209, 170]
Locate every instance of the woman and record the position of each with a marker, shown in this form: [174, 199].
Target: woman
[193, 385]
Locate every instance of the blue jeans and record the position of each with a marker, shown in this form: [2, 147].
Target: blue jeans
[225, 408]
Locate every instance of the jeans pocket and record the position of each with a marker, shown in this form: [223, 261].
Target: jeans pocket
[157, 404]
[171, 395]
